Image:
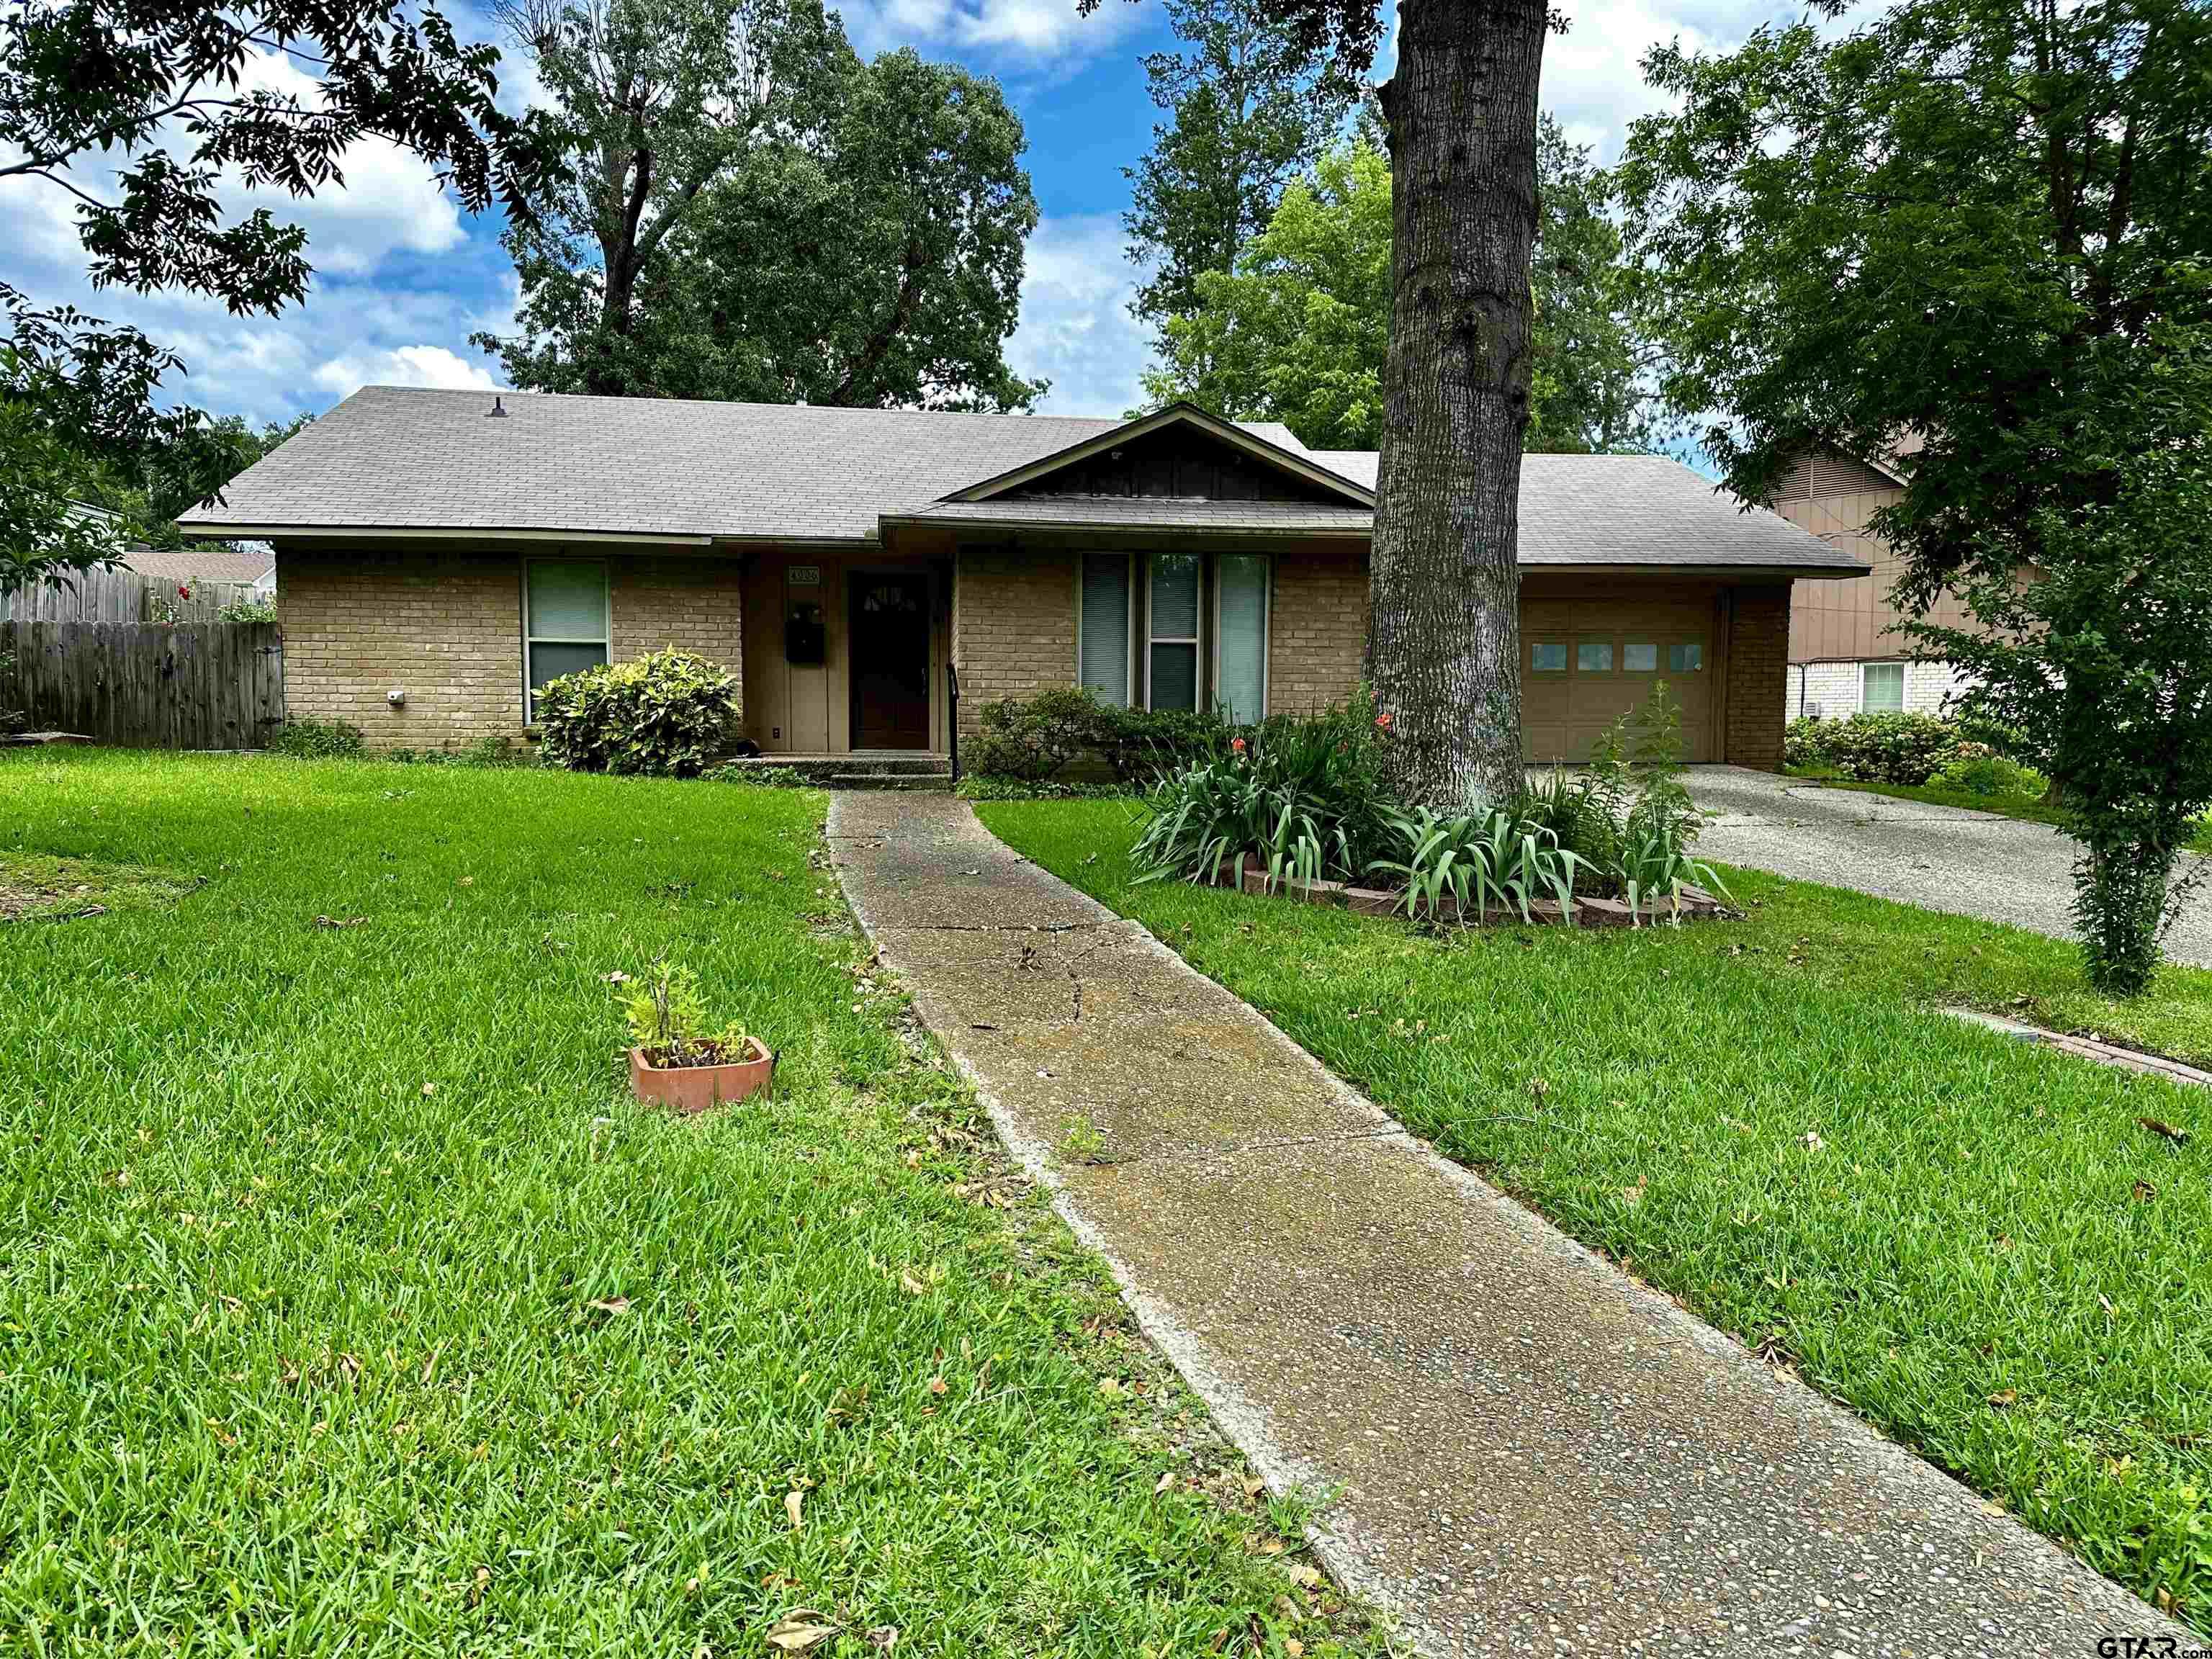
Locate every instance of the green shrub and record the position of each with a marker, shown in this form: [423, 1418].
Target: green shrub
[1034, 739]
[1981, 771]
[1874, 748]
[1029, 741]
[313, 740]
[669, 714]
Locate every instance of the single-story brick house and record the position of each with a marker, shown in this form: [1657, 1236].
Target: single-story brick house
[441, 553]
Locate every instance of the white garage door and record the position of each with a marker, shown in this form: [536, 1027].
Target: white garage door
[1585, 663]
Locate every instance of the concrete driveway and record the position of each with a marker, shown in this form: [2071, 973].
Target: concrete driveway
[1970, 864]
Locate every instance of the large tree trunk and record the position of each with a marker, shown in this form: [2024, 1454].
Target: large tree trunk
[1444, 591]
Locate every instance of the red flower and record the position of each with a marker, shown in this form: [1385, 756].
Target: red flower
[184, 591]
[1382, 721]
[1237, 745]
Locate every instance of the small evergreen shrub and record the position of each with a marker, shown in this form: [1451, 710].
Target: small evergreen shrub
[669, 714]
[1029, 741]
[313, 740]
[486, 754]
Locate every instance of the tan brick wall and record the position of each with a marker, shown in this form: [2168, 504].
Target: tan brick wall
[1317, 630]
[1013, 632]
[695, 605]
[445, 626]
[1757, 673]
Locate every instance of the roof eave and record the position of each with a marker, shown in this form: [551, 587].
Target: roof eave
[240, 530]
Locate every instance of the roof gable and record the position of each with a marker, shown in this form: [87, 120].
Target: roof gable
[1182, 452]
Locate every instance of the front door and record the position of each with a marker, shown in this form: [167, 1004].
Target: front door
[889, 635]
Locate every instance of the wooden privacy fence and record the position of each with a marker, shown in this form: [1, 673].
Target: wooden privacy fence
[121, 596]
[196, 685]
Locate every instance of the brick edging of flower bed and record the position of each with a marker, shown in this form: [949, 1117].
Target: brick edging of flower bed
[1697, 904]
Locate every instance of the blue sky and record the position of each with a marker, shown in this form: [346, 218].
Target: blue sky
[403, 277]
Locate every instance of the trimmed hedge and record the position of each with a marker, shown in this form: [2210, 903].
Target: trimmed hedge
[669, 715]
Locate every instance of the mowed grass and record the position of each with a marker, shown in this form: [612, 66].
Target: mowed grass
[348, 1305]
[1978, 1245]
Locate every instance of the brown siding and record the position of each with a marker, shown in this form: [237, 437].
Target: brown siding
[1317, 631]
[1757, 671]
[1853, 619]
[445, 626]
[1013, 630]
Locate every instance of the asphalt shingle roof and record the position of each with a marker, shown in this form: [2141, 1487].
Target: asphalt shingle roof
[392, 458]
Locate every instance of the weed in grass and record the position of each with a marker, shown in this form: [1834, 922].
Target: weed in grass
[1774, 1122]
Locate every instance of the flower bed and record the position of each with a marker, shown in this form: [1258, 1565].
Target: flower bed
[1698, 904]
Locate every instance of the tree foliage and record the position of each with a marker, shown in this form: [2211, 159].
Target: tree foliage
[1250, 108]
[1299, 332]
[756, 214]
[1975, 237]
[164, 92]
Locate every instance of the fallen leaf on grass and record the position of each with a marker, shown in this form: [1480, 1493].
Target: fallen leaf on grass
[611, 1305]
[883, 1636]
[2158, 1126]
[2144, 1192]
[1304, 1576]
[1167, 1484]
[2004, 1397]
[794, 1506]
[336, 922]
[910, 1284]
[937, 1385]
[1111, 1386]
[802, 1630]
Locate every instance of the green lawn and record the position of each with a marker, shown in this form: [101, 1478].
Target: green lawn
[348, 1304]
[1975, 1243]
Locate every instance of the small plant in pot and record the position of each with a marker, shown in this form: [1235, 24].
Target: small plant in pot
[674, 1059]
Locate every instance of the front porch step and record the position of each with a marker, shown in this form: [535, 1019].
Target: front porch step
[915, 771]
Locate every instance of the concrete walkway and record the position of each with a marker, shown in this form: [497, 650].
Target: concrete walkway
[1970, 864]
[1532, 1453]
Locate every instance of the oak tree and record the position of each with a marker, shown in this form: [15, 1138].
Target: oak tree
[1443, 643]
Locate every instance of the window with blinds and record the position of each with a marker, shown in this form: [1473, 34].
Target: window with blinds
[1240, 671]
[1103, 628]
[564, 621]
[1171, 665]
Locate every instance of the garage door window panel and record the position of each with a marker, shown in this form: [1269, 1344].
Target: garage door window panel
[1639, 657]
[1547, 657]
[1593, 656]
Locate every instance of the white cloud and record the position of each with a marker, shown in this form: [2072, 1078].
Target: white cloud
[407, 365]
[1027, 34]
[1075, 324]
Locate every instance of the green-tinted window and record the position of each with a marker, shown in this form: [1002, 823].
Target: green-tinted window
[1547, 657]
[1594, 657]
[1685, 658]
[564, 620]
[1882, 687]
[1241, 653]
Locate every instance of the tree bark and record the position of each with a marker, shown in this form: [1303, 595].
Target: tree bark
[1444, 590]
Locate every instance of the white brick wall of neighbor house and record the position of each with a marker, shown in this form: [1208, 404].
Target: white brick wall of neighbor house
[1837, 690]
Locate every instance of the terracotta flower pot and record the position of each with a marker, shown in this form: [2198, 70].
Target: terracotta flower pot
[696, 1088]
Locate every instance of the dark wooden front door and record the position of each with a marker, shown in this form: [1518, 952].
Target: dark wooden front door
[889, 633]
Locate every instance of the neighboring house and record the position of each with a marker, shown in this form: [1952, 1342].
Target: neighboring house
[254, 568]
[1845, 657]
[443, 553]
